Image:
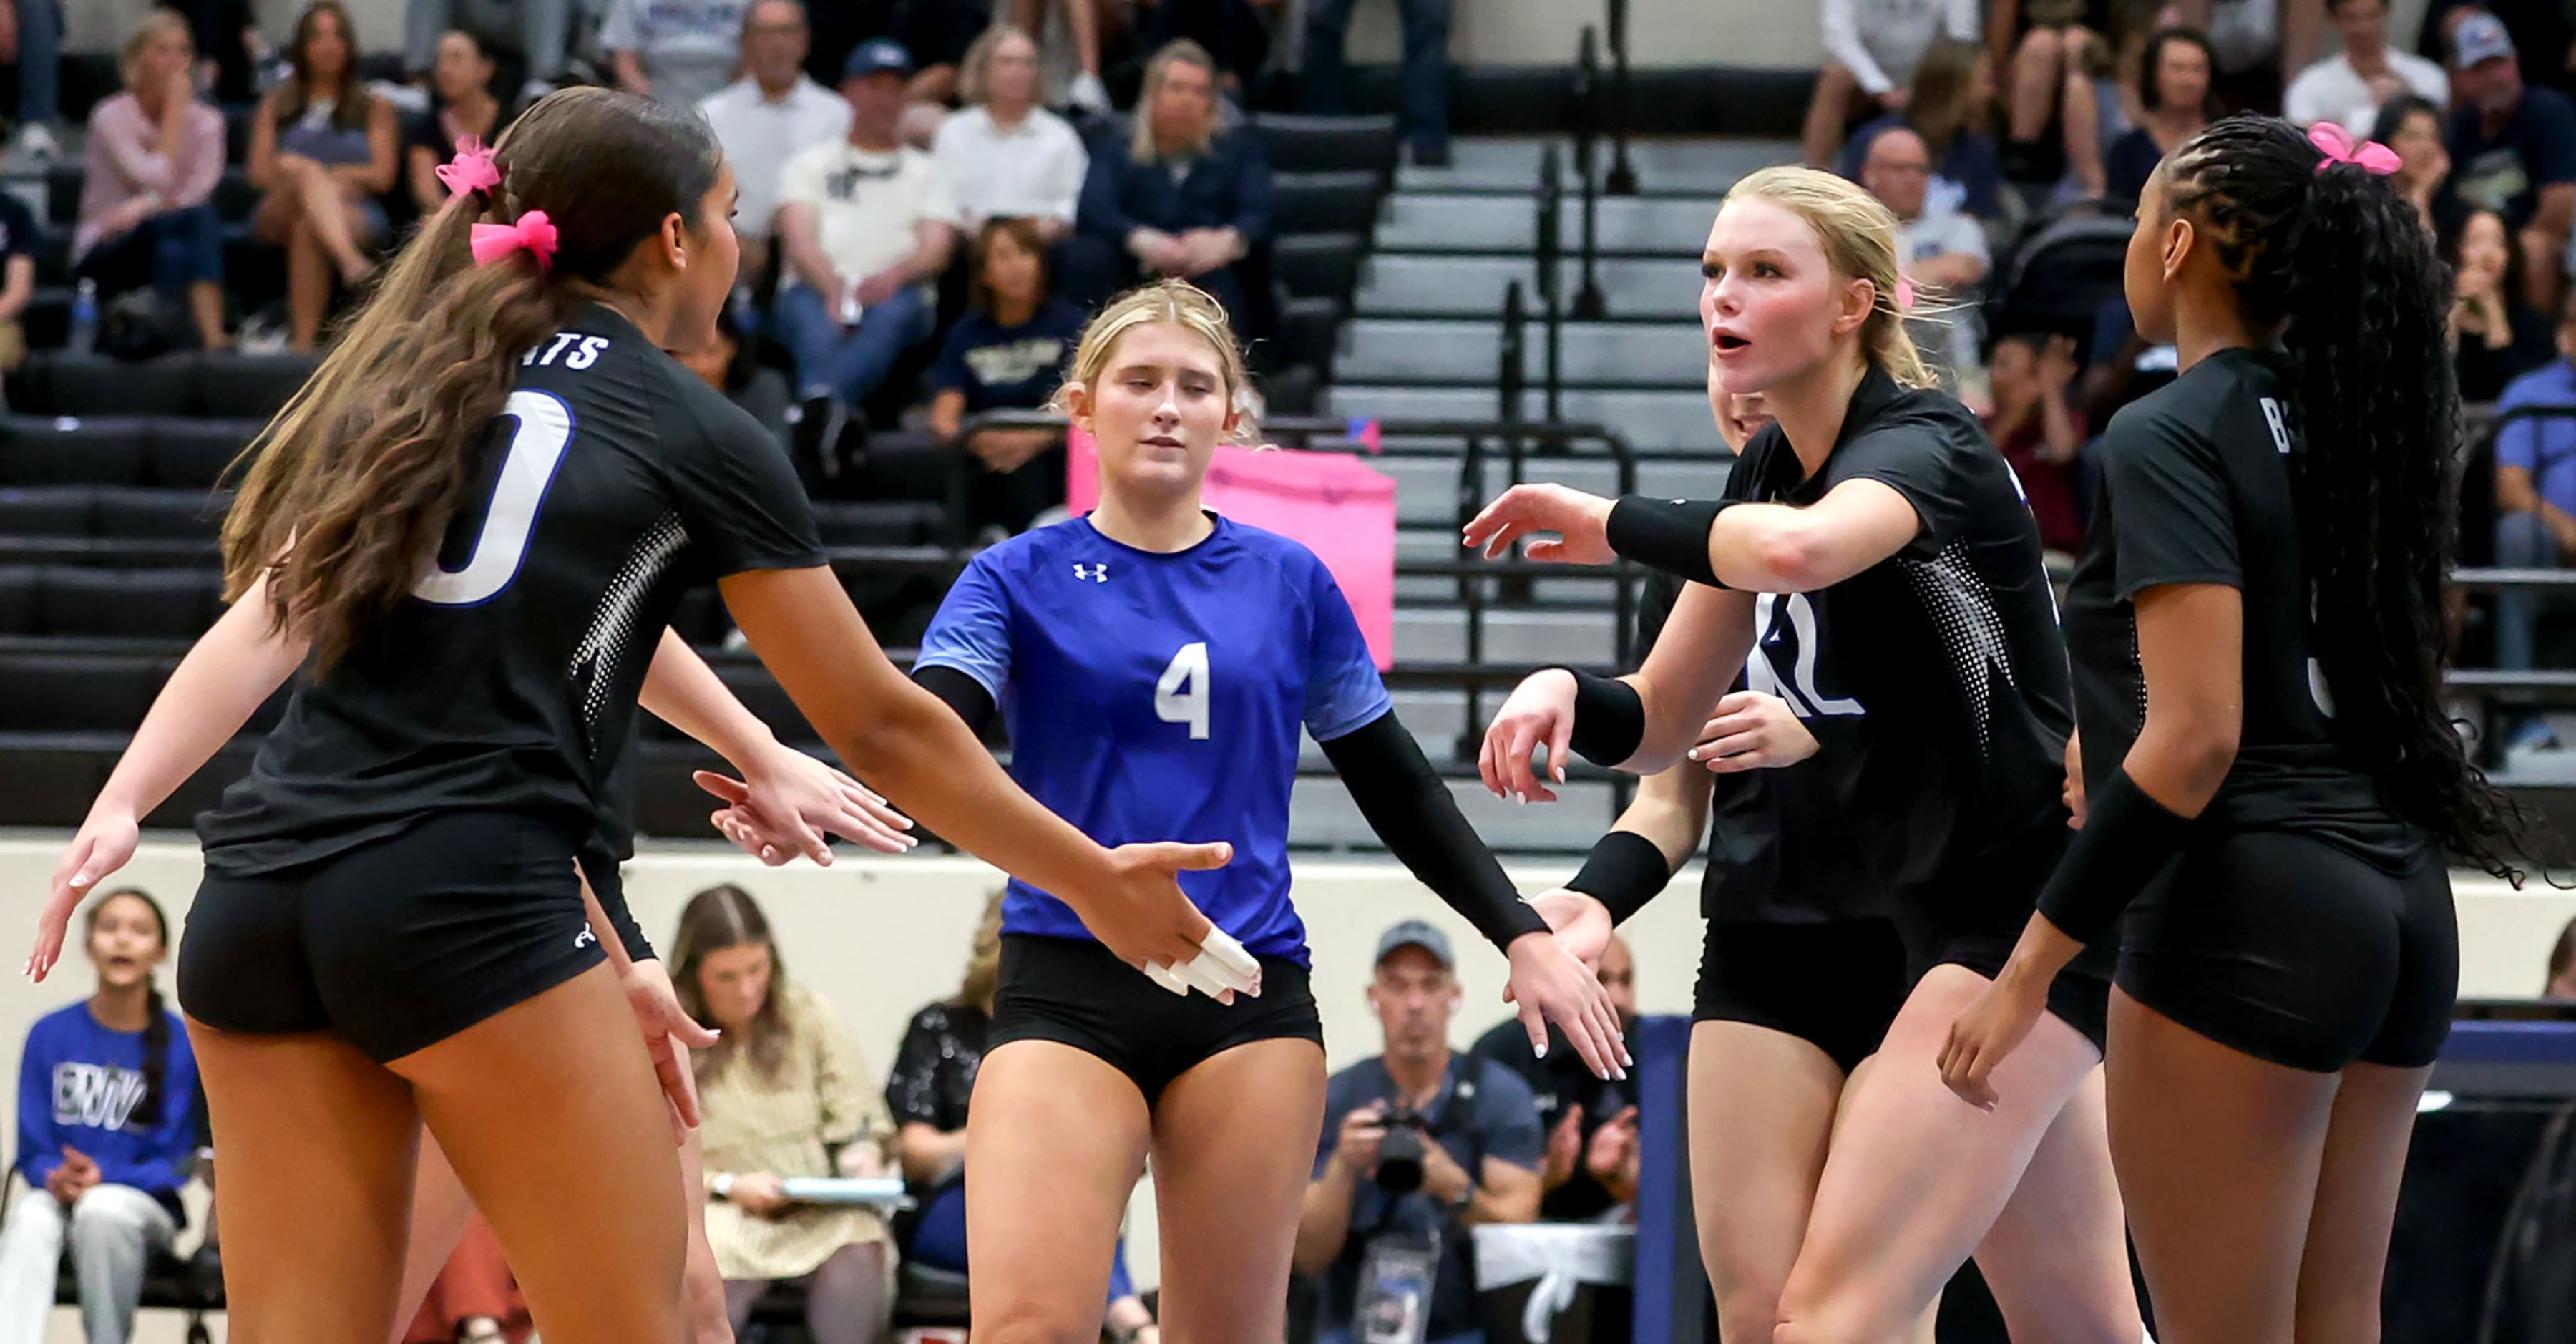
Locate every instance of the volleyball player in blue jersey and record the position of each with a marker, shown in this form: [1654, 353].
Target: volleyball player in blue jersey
[1154, 663]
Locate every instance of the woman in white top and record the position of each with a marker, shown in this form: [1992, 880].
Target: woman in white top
[1004, 155]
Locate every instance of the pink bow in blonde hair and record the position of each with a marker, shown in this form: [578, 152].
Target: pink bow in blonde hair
[2336, 144]
[534, 232]
[471, 170]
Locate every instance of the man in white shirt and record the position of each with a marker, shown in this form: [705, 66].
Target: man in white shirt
[865, 224]
[770, 116]
[1941, 253]
[2348, 87]
[679, 51]
[1003, 154]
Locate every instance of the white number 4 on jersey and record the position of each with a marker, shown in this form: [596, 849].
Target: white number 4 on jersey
[1182, 694]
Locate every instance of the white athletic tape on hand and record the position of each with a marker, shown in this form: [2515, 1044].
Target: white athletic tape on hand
[1164, 975]
[1222, 965]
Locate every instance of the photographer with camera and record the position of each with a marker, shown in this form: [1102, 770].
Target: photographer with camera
[1387, 1219]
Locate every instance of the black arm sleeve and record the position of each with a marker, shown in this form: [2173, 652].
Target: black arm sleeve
[1413, 812]
[2128, 838]
[960, 692]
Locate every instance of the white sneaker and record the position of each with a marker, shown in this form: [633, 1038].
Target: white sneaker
[1089, 93]
[36, 140]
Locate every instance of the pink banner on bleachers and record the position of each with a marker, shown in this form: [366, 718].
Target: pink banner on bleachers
[1332, 503]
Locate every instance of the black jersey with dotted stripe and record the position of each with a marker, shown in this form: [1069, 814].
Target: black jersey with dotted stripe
[1934, 683]
[2195, 488]
[612, 480]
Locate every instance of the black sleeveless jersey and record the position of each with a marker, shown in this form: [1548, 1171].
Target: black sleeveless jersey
[612, 480]
[2195, 488]
[1934, 683]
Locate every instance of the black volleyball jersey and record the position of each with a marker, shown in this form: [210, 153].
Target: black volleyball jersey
[612, 480]
[2195, 488]
[1934, 682]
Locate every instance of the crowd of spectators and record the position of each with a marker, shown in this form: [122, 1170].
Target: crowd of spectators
[2012, 144]
[931, 192]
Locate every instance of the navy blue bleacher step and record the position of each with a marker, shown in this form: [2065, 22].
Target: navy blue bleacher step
[1301, 144]
[221, 384]
[1327, 202]
[155, 451]
[1318, 265]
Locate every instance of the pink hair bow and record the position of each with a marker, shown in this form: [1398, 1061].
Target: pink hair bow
[534, 231]
[1904, 295]
[471, 170]
[2336, 144]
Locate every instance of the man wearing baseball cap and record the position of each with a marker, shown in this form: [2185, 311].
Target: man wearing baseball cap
[1386, 1231]
[2513, 150]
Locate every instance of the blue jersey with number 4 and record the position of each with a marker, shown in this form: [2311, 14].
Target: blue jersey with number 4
[1158, 697]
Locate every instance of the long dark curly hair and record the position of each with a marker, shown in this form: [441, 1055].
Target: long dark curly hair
[2343, 268]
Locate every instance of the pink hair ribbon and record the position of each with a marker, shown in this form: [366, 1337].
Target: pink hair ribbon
[534, 232]
[2336, 144]
[471, 170]
[1904, 295]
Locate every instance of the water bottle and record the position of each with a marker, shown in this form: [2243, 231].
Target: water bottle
[85, 318]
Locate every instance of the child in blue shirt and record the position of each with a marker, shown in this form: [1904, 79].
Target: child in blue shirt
[107, 1097]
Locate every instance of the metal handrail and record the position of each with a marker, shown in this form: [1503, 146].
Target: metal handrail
[1623, 174]
[1588, 303]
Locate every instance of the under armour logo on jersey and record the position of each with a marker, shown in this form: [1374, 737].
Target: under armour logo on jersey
[585, 938]
[1098, 573]
[2280, 427]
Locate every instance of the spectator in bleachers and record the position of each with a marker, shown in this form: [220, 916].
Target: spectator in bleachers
[1006, 156]
[18, 237]
[1588, 1168]
[1871, 50]
[146, 213]
[2412, 127]
[2513, 151]
[322, 148]
[107, 1133]
[2535, 475]
[1480, 1152]
[31, 42]
[1007, 353]
[727, 365]
[2256, 46]
[784, 1095]
[2349, 87]
[1179, 197]
[2038, 431]
[1952, 90]
[679, 51]
[1944, 256]
[2496, 335]
[2175, 93]
[1425, 75]
[228, 47]
[535, 31]
[2053, 116]
[2561, 985]
[463, 107]
[866, 225]
[769, 116]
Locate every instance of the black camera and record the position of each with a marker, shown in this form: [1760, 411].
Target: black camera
[1399, 1154]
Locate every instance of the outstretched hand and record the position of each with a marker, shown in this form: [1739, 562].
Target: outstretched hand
[1148, 921]
[794, 803]
[1581, 523]
[1551, 985]
[105, 843]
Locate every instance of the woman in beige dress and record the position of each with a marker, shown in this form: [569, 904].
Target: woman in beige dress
[784, 1094]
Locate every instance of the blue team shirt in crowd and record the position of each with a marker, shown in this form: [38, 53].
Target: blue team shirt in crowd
[2545, 447]
[1159, 697]
[79, 1084]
